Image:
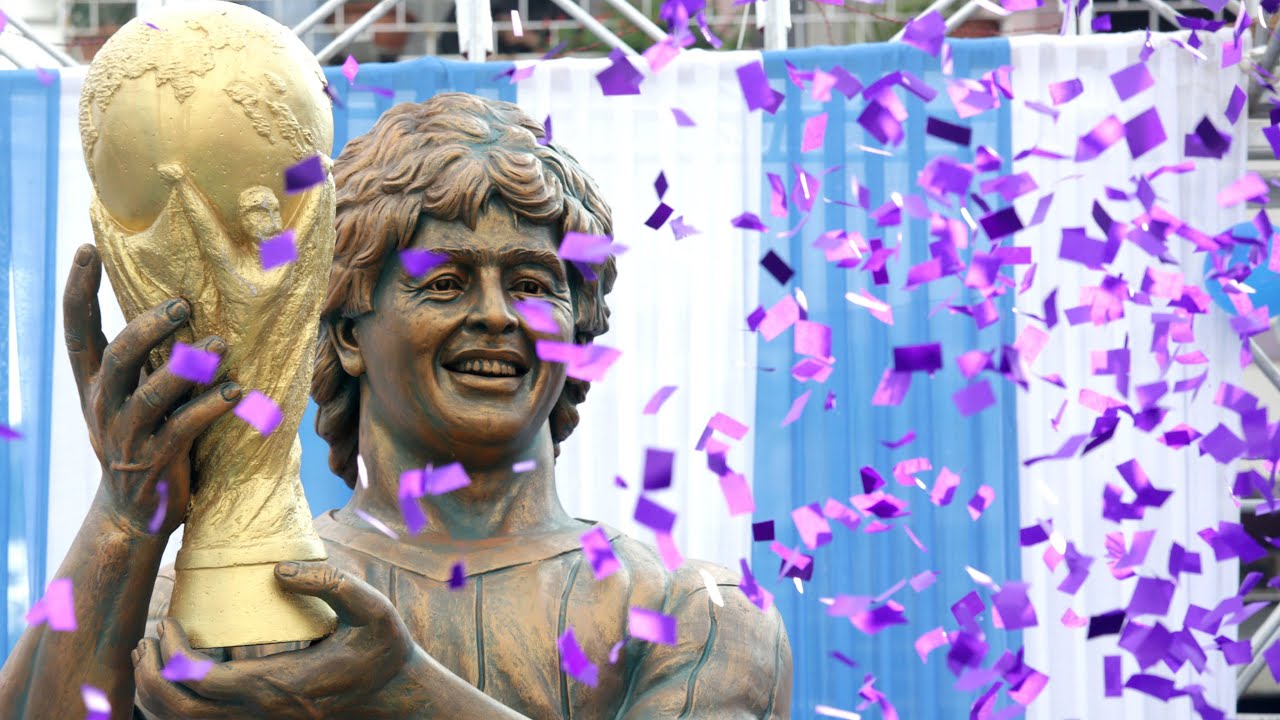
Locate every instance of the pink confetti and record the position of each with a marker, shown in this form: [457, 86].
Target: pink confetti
[445, 480]
[350, 68]
[584, 362]
[1249, 187]
[538, 314]
[57, 607]
[926, 32]
[181, 668]
[659, 397]
[797, 408]
[524, 466]
[651, 625]
[672, 559]
[944, 488]
[590, 249]
[815, 131]
[194, 364]
[259, 411]
[974, 398]
[737, 493]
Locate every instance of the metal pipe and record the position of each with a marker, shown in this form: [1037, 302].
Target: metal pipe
[1267, 632]
[1264, 363]
[1268, 62]
[357, 27]
[638, 19]
[315, 17]
[62, 58]
[939, 5]
[959, 16]
[1163, 10]
[577, 13]
[16, 63]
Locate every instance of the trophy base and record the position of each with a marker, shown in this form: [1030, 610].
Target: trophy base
[244, 605]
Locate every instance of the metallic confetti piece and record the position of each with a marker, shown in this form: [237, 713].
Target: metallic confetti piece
[760, 597]
[737, 494]
[96, 704]
[538, 315]
[1249, 187]
[682, 118]
[57, 607]
[574, 661]
[762, 531]
[621, 77]
[659, 397]
[306, 174]
[457, 576]
[418, 262]
[926, 32]
[279, 250]
[777, 267]
[1101, 23]
[181, 668]
[599, 552]
[162, 507]
[1105, 134]
[755, 88]
[654, 516]
[815, 130]
[377, 524]
[797, 408]
[1144, 133]
[917, 358]
[194, 364]
[445, 480]
[584, 362]
[591, 249]
[659, 216]
[958, 134]
[259, 411]
[650, 625]
[657, 468]
[350, 68]
[1132, 80]
[981, 501]
[410, 491]
[1012, 607]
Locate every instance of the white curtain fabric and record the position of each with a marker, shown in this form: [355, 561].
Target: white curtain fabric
[679, 307]
[1070, 493]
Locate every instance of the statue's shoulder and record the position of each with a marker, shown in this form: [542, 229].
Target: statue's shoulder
[650, 576]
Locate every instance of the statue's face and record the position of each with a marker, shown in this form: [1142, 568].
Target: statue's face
[450, 364]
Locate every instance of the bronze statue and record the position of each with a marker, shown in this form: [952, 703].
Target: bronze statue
[412, 371]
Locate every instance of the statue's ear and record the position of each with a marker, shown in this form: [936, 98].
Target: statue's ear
[343, 335]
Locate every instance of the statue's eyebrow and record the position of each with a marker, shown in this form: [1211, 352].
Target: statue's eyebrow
[512, 256]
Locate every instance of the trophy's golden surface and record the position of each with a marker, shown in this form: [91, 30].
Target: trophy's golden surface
[189, 119]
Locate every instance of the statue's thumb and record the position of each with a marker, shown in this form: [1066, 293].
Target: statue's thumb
[354, 601]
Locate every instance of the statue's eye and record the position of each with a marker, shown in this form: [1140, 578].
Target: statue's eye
[444, 284]
[529, 287]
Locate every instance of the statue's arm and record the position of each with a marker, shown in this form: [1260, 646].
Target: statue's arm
[141, 430]
[113, 573]
[730, 661]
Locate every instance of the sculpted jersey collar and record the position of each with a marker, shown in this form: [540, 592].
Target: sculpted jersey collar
[436, 560]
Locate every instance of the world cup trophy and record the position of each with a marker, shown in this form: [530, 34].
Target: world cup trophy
[189, 119]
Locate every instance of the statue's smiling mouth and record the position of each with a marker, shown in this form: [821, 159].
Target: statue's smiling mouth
[486, 368]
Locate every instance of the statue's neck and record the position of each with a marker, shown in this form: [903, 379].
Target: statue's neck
[499, 501]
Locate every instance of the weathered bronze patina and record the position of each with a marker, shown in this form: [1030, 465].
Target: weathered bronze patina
[410, 372]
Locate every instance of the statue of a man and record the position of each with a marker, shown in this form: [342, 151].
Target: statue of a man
[463, 618]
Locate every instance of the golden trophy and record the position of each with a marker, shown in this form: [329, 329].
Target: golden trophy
[189, 119]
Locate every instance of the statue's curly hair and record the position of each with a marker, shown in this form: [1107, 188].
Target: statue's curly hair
[447, 158]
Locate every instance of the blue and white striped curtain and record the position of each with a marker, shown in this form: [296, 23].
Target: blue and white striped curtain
[693, 335]
[820, 455]
[28, 237]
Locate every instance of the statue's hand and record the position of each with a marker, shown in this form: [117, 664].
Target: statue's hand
[368, 668]
[141, 427]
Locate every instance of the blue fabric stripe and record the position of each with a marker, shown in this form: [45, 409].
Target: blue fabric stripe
[412, 81]
[29, 116]
[819, 456]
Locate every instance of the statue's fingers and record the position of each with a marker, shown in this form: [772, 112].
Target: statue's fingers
[82, 318]
[157, 697]
[193, 418]
[124, 356]
[355, 602]
[160, 392]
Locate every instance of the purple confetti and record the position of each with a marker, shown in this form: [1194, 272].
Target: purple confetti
[259, 411]
[1065, 91]
[538, 315]
[621, 77]
[1132, 80]
[584, 362]
[926, 32]
[574, 661]
[651, 625]
[445, 480]
[777, 267]
[279, 250]
[657, 468]
[306, 174]
[57, 607]
[682, 118]
[654, 516]
[181, 668]
[756, 90]
[659, 397]
[457, 576]
[194, 364]
[974, 398]
[418, 262]
[162, 507]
